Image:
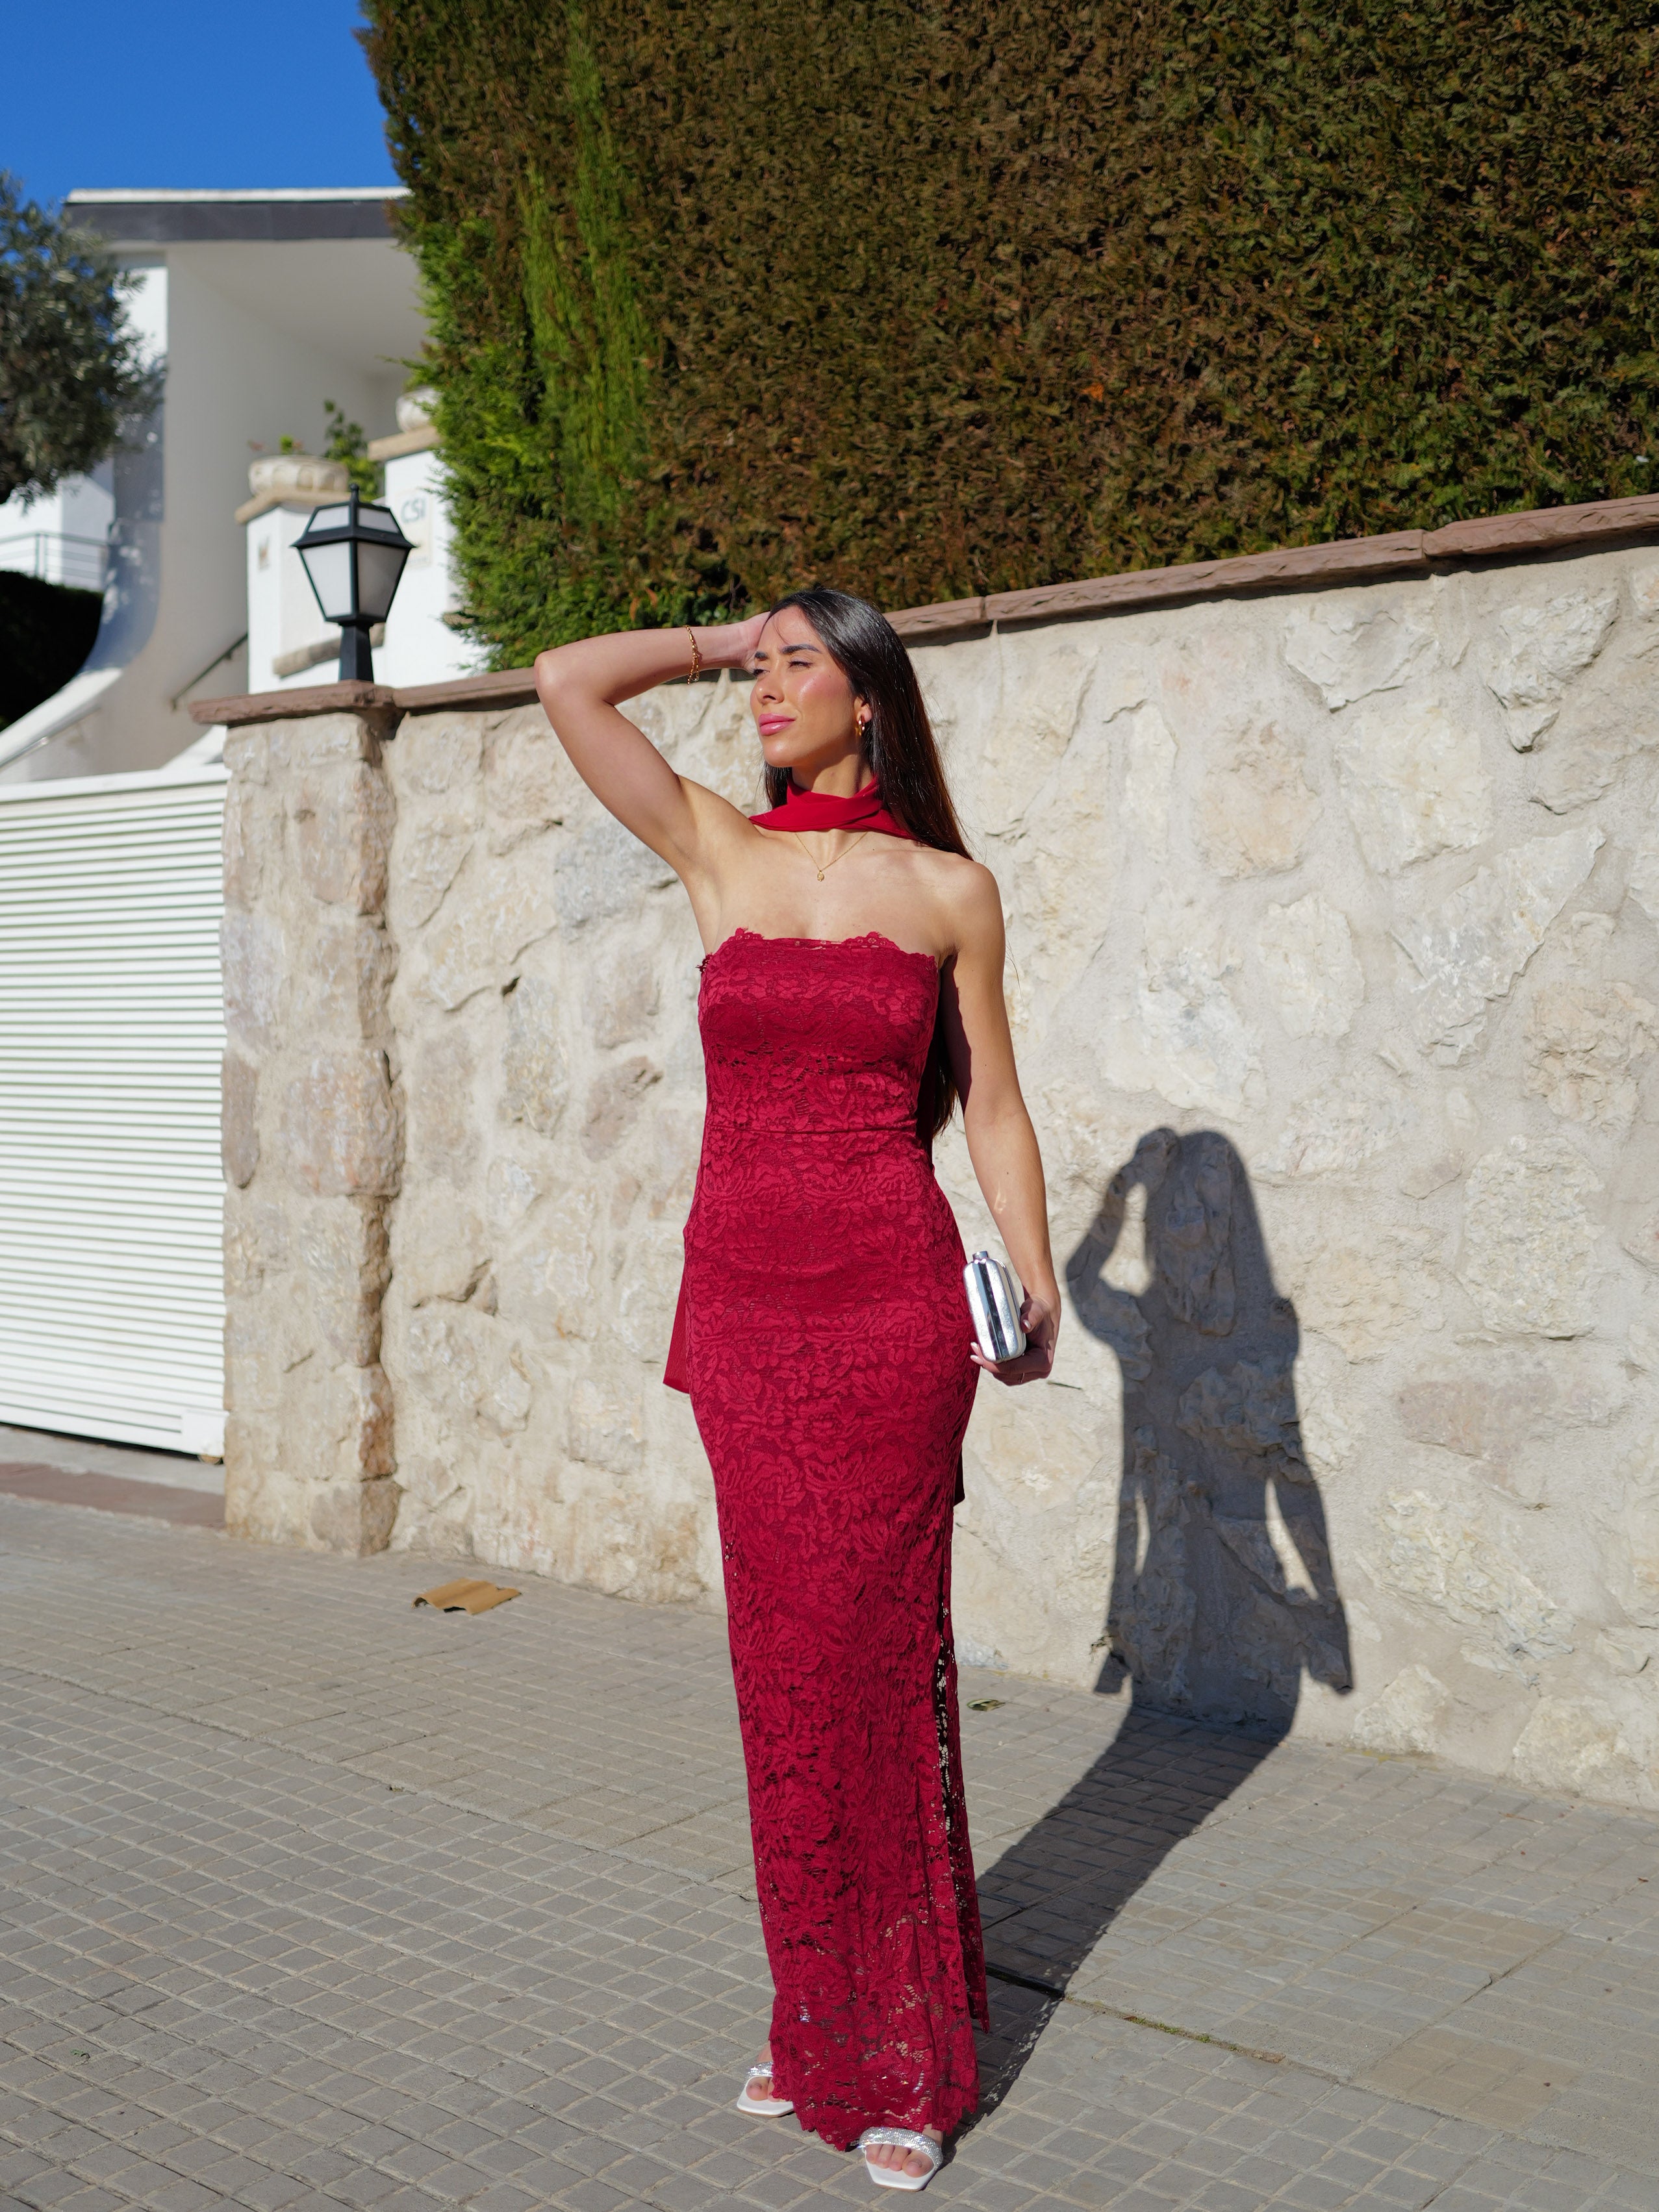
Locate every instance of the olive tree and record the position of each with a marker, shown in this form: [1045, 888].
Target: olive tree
[71, 376]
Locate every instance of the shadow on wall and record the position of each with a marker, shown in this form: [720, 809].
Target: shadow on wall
[1223, 1591]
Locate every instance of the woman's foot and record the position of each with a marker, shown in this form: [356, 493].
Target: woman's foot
[913, 2165]
[757, 2097]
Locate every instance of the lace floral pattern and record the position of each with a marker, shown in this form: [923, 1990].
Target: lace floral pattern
[826, 1342]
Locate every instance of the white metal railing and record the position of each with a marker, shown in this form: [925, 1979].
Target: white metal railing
[56, 557]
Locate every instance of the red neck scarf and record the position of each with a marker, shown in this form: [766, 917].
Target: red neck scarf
[818, 809]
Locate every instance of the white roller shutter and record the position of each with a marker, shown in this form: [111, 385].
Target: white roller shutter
[111, 1294]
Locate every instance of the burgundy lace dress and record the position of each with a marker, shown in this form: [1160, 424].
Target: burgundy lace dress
[824, 1333]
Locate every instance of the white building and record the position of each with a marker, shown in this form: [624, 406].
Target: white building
[263, 305]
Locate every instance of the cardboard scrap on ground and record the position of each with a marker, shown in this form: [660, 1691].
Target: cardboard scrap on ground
[464, 1597]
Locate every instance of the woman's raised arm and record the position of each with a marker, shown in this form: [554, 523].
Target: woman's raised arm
[581, 685]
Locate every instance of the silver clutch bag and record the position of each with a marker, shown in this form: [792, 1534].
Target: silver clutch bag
[993, 1298]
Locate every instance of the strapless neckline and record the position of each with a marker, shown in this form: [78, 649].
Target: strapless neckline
[822, 943]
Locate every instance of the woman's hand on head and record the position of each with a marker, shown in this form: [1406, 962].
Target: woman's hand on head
[744, 637]
[730, 645]
[1041, 1323]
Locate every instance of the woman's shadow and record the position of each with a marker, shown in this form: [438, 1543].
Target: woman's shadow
[1223, 1595]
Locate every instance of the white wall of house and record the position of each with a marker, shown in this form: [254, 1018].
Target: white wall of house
[288, 643]
[421, 646]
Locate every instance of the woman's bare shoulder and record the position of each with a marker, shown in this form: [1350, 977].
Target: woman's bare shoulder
[959, 878]
[966, 891]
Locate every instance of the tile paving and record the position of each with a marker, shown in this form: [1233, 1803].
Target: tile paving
[311, 1899]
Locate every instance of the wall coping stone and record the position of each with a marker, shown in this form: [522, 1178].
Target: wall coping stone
[1344, 559]
[421, 440]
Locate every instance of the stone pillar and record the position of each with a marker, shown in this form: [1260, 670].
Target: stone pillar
[312, 1133]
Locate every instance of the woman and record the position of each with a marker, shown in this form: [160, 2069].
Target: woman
[851, 991]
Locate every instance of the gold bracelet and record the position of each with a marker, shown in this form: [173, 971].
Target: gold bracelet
[696, 656]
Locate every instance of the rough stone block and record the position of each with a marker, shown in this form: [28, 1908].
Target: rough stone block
[528, 781]
[238, 1119]
[1576, 1745]
[256, 1242]
[1470, 952]
[604, 1425]
[1538, 650]
[1365, 1291]
[343, 1249]
[613, 1100]
[1047, 688]
[605, 871]
[1583, 1040]
[327, 741]
[441, 1106]
[1477, 1413]
[1641, 1241]
[646, 1292]
[1341, 1127]
[1148, 778]
[550, 1286]
[443, 1250]
[340, 1125]
[1586, 761]
[1193, 1247]
[438, 754]
[1348, 646]
[535, 1083]
[343, 820]
[1407, 1716]
[262, 1504]
[1249, 1410]
[1528, 1234]
[619, 999]
[511, 1189]
[350, 971]
[1413, 783]
[468, 1365]
[1449, 1558]
[429, 863]
[1307, 956]
[248, 755]
[1644, 878]
[1184, 1034]
[1255, 812]
[356, 1518]
[252, 842]
[253, 959]
[488, 919]
[337, 1423]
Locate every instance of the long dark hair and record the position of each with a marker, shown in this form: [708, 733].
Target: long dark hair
[899, 746]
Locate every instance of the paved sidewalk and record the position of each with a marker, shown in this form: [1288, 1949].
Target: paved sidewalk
[311, 1899]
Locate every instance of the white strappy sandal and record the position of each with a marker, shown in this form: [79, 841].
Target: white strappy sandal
[761, 2108]
[890, 2177]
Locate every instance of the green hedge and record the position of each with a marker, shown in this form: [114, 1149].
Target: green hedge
[923, 301]
[47, 631]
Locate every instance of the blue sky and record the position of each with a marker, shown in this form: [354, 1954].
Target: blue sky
[218, 93]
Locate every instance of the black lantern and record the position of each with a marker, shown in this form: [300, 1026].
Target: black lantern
[354, 556]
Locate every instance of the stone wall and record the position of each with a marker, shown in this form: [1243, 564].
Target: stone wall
[1332, 929]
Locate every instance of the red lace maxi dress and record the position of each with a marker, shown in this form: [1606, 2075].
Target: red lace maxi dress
[823, 1333]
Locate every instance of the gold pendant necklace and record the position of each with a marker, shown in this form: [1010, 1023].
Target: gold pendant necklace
[842, 855]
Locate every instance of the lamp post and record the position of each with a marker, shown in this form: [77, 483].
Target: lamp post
[354, 559]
